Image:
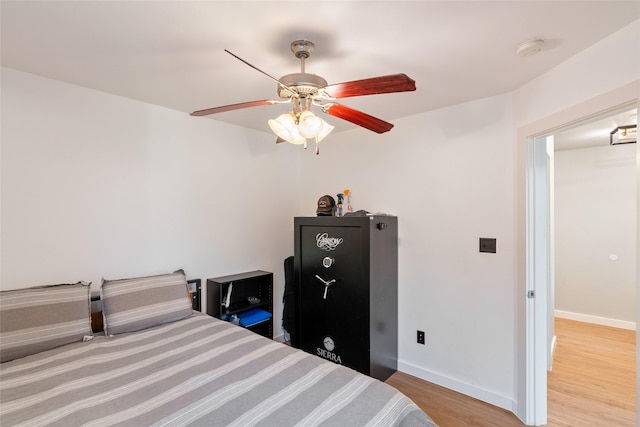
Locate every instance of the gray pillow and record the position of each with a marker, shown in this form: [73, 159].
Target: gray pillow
[142, 302]
[44, 317]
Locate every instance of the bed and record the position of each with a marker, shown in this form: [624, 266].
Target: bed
[178, 368]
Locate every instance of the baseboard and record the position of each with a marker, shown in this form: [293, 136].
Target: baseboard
[604, 321]
[461, 387]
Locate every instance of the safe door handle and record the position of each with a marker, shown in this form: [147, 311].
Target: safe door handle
[326, 285]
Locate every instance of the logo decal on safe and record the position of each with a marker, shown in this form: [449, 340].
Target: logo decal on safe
[323, 241]
[326, 352]
[329, 344]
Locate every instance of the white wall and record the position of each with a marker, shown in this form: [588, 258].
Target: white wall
[447, 175]
[96, 185]
[596, 218]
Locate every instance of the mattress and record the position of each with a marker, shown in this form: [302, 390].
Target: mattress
[196, 371]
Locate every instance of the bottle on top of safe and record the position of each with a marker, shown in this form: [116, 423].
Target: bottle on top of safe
[340, 204]
[347, 195]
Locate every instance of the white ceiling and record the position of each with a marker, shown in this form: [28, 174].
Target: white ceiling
[171, 53]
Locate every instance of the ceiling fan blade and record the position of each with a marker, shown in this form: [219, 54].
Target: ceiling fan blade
[293, 92]
[373, 86]
[231, 107]
[357, 117]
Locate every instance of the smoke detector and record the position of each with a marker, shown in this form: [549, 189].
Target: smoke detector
[530, 47]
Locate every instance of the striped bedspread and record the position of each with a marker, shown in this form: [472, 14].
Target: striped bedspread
[197, 371]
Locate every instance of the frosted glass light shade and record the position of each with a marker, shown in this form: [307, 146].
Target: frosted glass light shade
[296, 138]
[285, 127]
[309, 125]
[282, 125]
[326, 130]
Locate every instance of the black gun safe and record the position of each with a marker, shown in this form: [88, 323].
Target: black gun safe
[346, 276]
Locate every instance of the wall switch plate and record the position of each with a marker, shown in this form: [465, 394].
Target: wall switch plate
[487, 245]
[420, 337]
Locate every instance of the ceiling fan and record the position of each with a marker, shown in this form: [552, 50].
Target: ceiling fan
[303, 90]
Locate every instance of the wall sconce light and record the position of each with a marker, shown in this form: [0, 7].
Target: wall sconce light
[623, 135]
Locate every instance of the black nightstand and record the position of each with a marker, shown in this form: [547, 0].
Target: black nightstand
[252, 292]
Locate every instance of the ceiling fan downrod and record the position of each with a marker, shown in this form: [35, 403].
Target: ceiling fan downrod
[302, 49]
[304, 85]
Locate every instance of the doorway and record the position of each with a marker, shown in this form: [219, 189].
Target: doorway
[534, 247]
[592, 274]
[593, 215]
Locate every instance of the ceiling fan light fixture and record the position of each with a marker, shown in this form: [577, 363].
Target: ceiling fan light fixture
[326, 130]
[296, 138]
[283, 125]
[309, 125]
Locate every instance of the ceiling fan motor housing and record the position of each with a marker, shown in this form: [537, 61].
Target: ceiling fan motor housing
[305, 84]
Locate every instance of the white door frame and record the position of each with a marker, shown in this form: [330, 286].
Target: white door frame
[531, 321]
[538, 266]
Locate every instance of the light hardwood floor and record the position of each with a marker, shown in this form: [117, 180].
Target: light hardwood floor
[592, 384]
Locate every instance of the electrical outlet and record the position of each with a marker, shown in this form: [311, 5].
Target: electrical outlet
[420, 337]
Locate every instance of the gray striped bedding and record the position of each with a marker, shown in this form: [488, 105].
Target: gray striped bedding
[142, 302]
[40, 318]
[197, 371]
